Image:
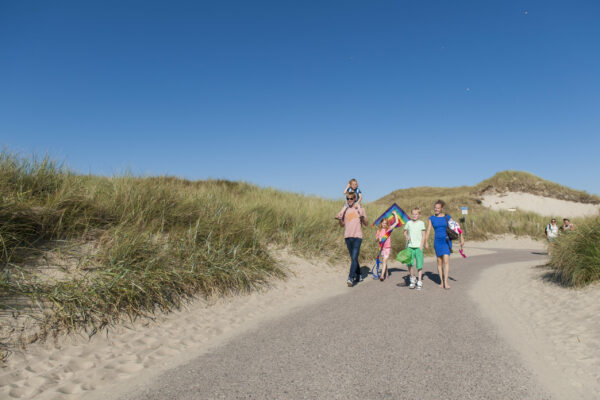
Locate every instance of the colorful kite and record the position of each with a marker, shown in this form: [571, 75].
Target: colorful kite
[391, 218]
[404, 218]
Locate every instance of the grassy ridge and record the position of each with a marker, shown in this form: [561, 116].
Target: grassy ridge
[575, 256]
[519, 181]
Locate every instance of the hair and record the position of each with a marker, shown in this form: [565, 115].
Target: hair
[566, 219]
[440, 202]
[351, 181]
[417, 209]
[382, 221]
[351, 194]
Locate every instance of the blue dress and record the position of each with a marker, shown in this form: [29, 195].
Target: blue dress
[441, 243]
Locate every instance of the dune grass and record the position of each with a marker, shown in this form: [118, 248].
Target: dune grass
[146, 243]
[575, 256]
[519, 181]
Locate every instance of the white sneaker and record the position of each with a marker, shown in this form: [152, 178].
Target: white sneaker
[419, 285]
[412, 282]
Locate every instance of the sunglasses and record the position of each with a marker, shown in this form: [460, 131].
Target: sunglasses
[349, 198]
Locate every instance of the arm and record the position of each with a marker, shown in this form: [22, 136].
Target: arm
[423, 240]
[395, 224]
[359, 197]
[427, 232]
[346, 188]
[363, 215]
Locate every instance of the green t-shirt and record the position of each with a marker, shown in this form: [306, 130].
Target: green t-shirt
[415, 232]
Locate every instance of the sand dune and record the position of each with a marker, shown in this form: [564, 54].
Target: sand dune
[542, 205]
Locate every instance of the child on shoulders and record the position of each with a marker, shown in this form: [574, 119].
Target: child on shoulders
[352, 187]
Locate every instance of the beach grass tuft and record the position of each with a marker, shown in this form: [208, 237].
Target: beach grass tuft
[575, 255]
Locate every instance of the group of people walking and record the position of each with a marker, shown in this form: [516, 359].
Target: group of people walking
[552, 230]
[353, 217]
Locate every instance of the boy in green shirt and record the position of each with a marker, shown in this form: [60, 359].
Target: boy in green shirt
[413, 233]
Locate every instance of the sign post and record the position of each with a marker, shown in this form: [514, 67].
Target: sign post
[463, 220]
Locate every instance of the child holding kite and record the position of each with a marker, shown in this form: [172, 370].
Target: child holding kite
[383, 235]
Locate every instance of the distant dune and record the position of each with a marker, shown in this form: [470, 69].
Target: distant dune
[539, 204]
[506, 190]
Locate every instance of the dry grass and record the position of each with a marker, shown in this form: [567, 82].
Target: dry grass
[575, 255]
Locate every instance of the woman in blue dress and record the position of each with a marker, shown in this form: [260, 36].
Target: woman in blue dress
[441, 243]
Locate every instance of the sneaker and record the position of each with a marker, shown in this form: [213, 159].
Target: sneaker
[349, 283]
[412, 282]
[419, 285]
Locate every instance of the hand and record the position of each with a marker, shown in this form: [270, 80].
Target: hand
[426, 245]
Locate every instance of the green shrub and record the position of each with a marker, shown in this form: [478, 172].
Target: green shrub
[575, 255]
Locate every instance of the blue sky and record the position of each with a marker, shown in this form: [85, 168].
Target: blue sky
[302, 95]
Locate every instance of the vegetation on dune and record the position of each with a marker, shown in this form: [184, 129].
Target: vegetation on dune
[575, 256]
[519, 181]
[142, 243]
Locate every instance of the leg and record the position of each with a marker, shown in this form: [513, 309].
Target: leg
[419, 263]
[411, 270]
[350, 246]
[446, 270]
[354, 249]
[439, 266]
[385, 265]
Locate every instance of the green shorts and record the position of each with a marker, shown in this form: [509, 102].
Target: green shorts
[417, 258]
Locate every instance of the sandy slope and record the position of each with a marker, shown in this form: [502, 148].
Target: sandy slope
[75, 366]
[541, 205]
[556, 330]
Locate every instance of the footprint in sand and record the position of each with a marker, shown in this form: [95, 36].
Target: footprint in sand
[20, 392]
[70, 388]
[130, 368]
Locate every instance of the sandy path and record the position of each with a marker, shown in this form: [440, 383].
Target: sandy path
[379, 340]
[133, 357]
[556, 330]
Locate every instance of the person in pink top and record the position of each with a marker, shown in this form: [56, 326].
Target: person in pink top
[352, 217]
[387, 246]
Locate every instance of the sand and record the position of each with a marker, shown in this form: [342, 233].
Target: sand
[556, 331]
[76, 367]
[542, 205]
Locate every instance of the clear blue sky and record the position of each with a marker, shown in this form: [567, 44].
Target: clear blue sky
[302, 95]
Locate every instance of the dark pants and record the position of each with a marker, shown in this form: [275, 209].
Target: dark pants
[353, 245]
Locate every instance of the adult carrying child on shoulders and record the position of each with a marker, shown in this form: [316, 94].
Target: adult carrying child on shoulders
[352, 217]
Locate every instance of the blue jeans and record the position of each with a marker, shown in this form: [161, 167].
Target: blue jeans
[353, 245]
